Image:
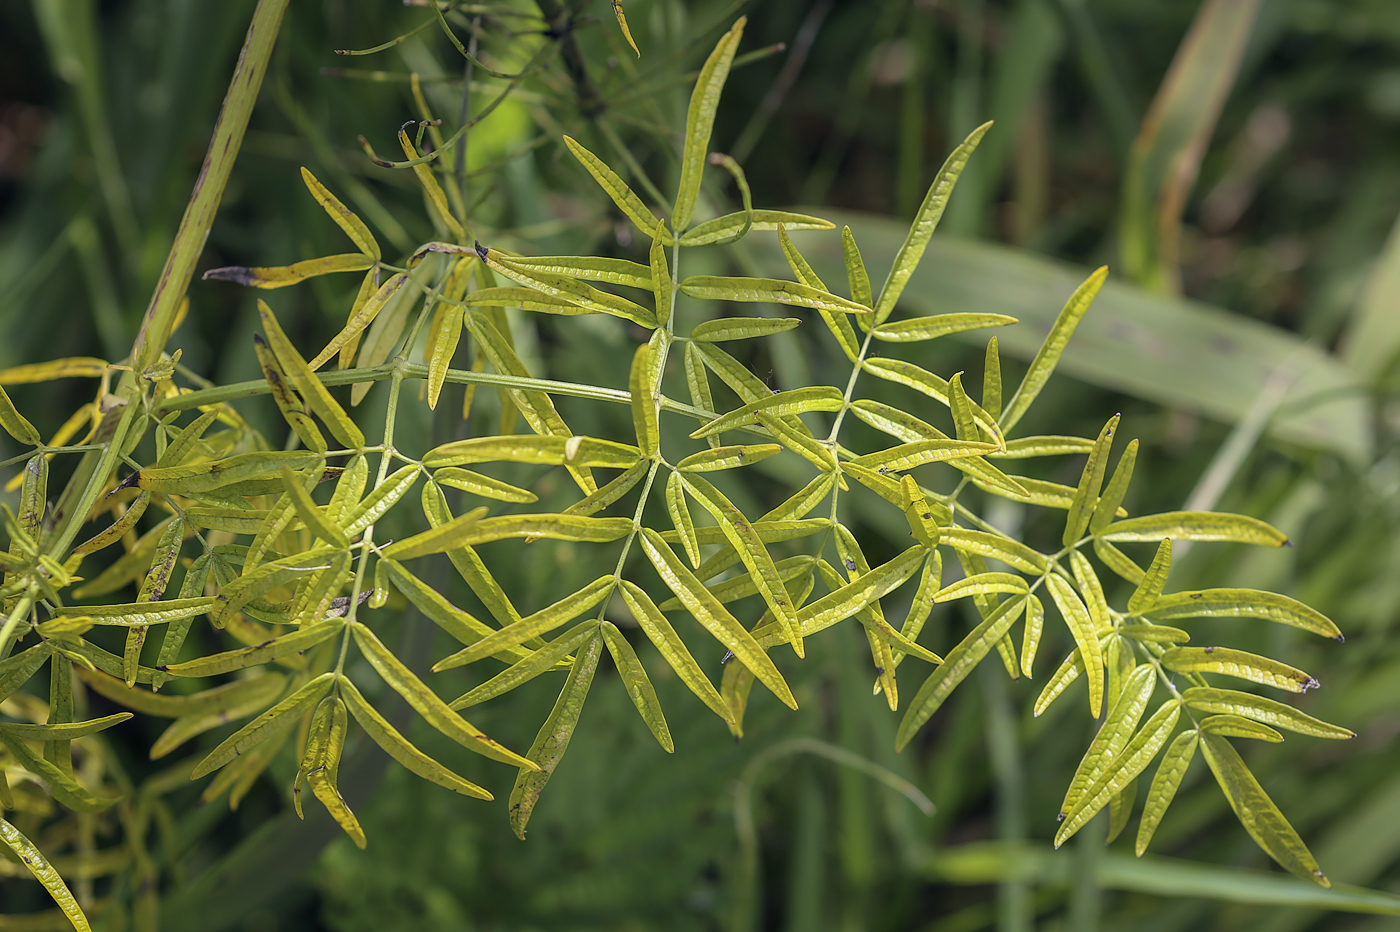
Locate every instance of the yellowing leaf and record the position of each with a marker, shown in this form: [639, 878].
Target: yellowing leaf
[673, 649]
[485, 486]
[569, 289]
[282, 276]
[700, 119]
[362, 317]
[44, 872]
[681, 519]
[984, 543]
[1196, 525]
[767, 221]
[283, 715]
[353, 226]
[1165, 784]
[741, 328]
[617, 189]
[14, 423]
[304, 380]
[810, 398]
[1086, 497]
[1240, 664]
[541, 622]
[297, 641]
[917, 329]
[645, 405]
[1153, 581]
[1243, 603]
[639, 688]
[767, 291]
[455, 533]
[1268, 711]
[543, 660]
[1082, 627]
[531, 448]
[1054, 346]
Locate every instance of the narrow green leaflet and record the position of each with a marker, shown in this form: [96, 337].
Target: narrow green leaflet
[1165, 784]
[361, 317]
[925, 222]
[767, 221]
[700, 120]
[1108, 506]
[918, 329]
[554, 736]
[645, 406]
[1081, 626]
[907, 456]
[715, 618]
[426, 702]
[728, 457]
[1260, 709]
[484, 486]
[1067, 672]
[673, 649]
[855, 596]
[569, 289]
[1153, 581]
[1112, 781]
[209, 477]
[1092, 590]
[207, 702]
[742, 585]
[545, 659]
[297, 641]
[304, 381]
[1044, 445]
[287, 402]
[1049, 353]
[459, 624]
[132, 614]
[353, 226]
[783, 404]
[1240, 664]
[616, 188]
[955, 668]
[767, 291]
[1030, 636]
[400, 748]
[62, 786]
[63, 731]
[1196, 525]
[439, 539]
[801, 268]
[1086, 497]
[609, 493]
[982, 584]
[923, 521]
[1008, 550]
[247, 701]
[1257, 812]
[680, 517]
[1236, 726]
[1113, 736]
[533, 448]
[15, 424]
[539, 623]
[309, 512]
[44, 872]
[639, 687]
[1118, 561]
[283, 715]
[1154, 634]
[1243, 603]
[745, 540]
[383, 497]
[586, 268]
[552, 526]
[991, 380]
[741, 328]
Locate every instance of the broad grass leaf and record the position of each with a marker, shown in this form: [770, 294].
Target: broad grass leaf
[925, 222]
[639, 688]
[353, 226]
[767, 291]
[700, 120]
[554, 736]
[283, 715]
[534, 625]
[1165, 784]
[1080, 624]
[296, 641]
[1238, 663]
[741, 586]
[1260, 709]
[44, 872]
[1257, 812]
[1196, 525]
[957, 664]
[1243, 603]
[673, 649]
[1050, 351]
[400, 748]
[796, 437]
[803, 501]
[541, 661]
[1086, 496]
[297, 272]
[426, 702]
[767, 221]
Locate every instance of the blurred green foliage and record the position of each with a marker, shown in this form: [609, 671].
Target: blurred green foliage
[1283, 219]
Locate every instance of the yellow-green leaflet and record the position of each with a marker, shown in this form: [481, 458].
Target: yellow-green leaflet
[532, 448]
[907, 456]
[243, 703]
[742, 585]
[435, 196]
[1113, 780]
[426, 702]
[283, 715]
[982, 584]
[742, 328]
[1155, 634]
[1108, 506]
[796, 401]
[309, 512]
[353, 226]
[323, 778]
[378, 502]
[700, 120]
[1030, 635]
[1050, 351]
[569, 289]
[673, 649]
[794, 435]
[882, 485]
[1165, 784]
[233, 520]
[586, 268]
[744, 539]
[923, 523]
[44, 872]
[553, 738]
[1118, 561]
[304, 380]
[1009, 551]
[801, 268]
[206, 477]
[118, 528]
[1257, 812]
[527, 299]
[616, 188]
[459, 624]
[1196, 525]
[917, 329]
[1092, 589]
[663, 288]
[724, 227]
[925, 222]
[639, 688]
[1086, 497]
[1268, 711]
[1077, 618]
[62, 786]
[443, 339]
[1153, 581]
[294, 642]
[131, 614]
[728, 457]
[16, 670]
[552, 526]
[485, 486]
[545, 659]
[1235, 726]
[1067, 672]
[1240, 664]
[768, 532]
[800, 503]
[400, 748]
[1112, 737]
[767, 291]
[284, 275]
[165, 706]
[715, 618]
[437, 539]
[541, 622]
[1243, 603]
[361, 318]
[610, 493]
[991, 380]
[956, 666]
[1044, 445]
[645, 406]
[15, 425]
[63, 731]
[681, 519]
